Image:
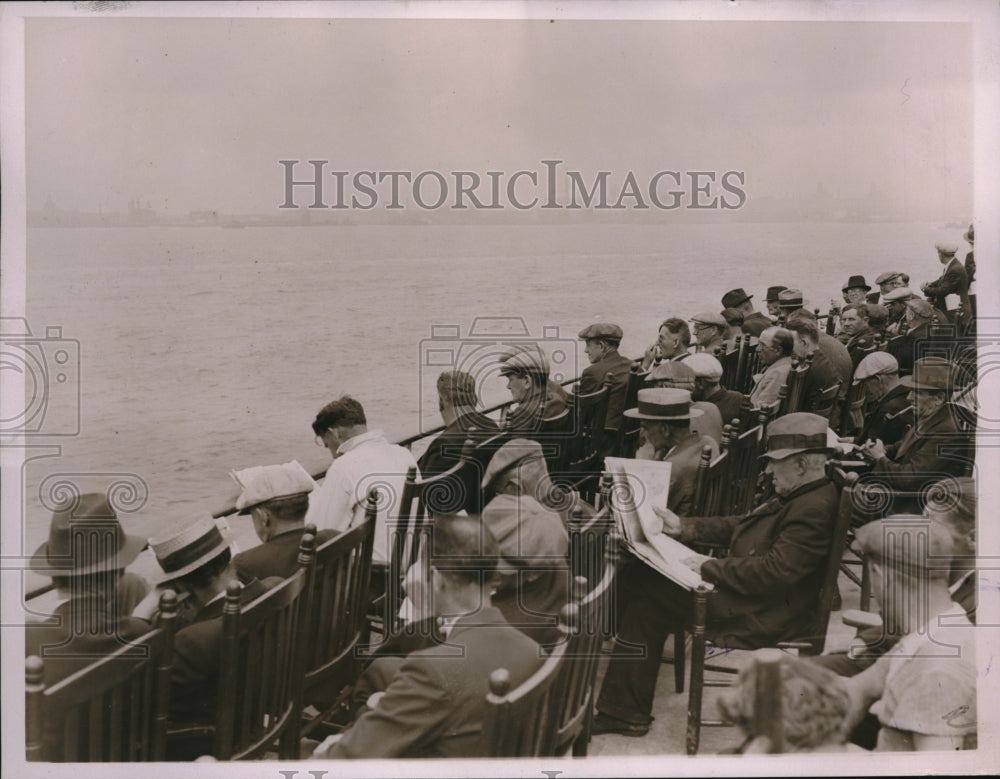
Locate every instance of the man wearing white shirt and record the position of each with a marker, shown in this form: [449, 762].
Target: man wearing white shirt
[362, 460]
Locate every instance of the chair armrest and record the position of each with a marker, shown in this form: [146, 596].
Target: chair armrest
[856, 618]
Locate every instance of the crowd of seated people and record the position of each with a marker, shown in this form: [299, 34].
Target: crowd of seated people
[496, 572]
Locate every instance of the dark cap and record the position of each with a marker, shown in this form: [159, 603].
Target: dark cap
[735, 297]
[605, 331]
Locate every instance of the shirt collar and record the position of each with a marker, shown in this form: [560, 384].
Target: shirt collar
[360, 440]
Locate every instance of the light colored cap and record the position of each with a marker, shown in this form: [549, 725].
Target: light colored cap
[899, 293]
[947, 249]
[907, 542]
[517, 450]
[532, 361]
[874, 364]
[709, 318]
[921, 308]
[705, 366]
[267, 482]
[675, 372]
[885, 278]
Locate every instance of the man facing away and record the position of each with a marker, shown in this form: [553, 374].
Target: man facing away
[754, 323]
[362, 459]
[602, 340]
[433, 701]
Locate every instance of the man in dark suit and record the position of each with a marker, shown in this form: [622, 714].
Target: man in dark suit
[433, 702]
[197, 564]
[821, 373]
[765, 588]
[907, 347]
[602, 340]
[754, 323]
[859, 336]
[665, 418]
[707, 373]
[893, 413]
[951, 289]
[934, 447]
[276, 497]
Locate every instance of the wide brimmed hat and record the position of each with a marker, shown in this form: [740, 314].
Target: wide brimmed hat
[190, 547]
[664, 404]
[929, 373]
[268, 482]
[798, 433]
[773, 292]
[856, 281]
[790, 298]
[735, 297]
[84, 538]
[605, 331]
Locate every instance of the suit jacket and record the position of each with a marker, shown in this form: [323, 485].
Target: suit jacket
[756, 323]
[592, 379]
[766, 588]
[821, 376]
[907, 347]
[859, 344]
[445, 451]
[729, 403]
[933, 449]
[435, 702]
[878, 426]
[840, 361]
[684, 459]
[954, 281]
[770, 382]
[278, 557]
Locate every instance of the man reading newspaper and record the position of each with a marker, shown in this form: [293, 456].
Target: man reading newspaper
[765, 588]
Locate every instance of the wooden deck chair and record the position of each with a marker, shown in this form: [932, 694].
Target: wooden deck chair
[852, 415]
[711, 483]
[791, 394]
[336, 625]
[113, 710]
[585, 455]
[826, 404]
[628, 433]
[745, 449]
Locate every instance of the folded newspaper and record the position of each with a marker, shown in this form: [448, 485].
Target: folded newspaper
[638, 486]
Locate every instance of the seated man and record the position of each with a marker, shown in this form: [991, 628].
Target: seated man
[457, 403]
[775, 351]
[908, 346]
[859, 338]
[754, 323]
[675, 374]
[665, 418]
[822, 374]
[924, 689]
[602, 340]
[671, 344]
[276, 497]
[933, 448]
[434, 700]
[527, 374]
[893, 414]
[895, 302]
[362, 459]
[773, 302]
[197, 563]
[707, 373]
[765, 589]
[889, 281]
[709, 329]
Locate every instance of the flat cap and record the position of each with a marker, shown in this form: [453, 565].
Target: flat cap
[885, 278]
[606, 331]
[735, 297]
[790, 298]
[874, 364]
[705, 366]
[908, 542]
[532, 361]
[921, 308]
[899, 293]
[709, 318]
[673, 373]
[946, 249]
[267, 482]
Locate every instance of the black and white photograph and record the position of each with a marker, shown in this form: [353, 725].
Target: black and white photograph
[491, 389]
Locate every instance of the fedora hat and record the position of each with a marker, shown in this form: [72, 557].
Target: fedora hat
[735, 297]
[929, 373]
[664, 404]
[855, 281]
[790, 298]
[267, 482]
[190, 547]
[970, 234]
[772, 292]
[86, 537]
[797, 433]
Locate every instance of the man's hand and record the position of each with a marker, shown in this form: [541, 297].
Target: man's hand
[875, 450]
[694, 562]
[671, 522]
[322, 750]
[150, 605]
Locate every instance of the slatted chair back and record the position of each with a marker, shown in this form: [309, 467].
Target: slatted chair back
[826, 403]
[261, 667]
[731, 362]
[749, 365]
[745, 465]
[113, 710]
[588, 543]
[557, 436]
[711, 481]
[584, 458]
[793, 392]
[628, 433]
[422, 499]
[852, 415]
[334, 611]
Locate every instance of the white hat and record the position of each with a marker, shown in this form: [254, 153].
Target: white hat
[898, 293]
[190, 547]
[705, 366]
[267, 482]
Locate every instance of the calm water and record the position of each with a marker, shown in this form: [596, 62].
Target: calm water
[207, 349]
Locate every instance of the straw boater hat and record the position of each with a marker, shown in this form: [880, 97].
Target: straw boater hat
[798, 433]
[929, 373]
[190, 547]
[268, 482]
[84, 538]
[605, 331]
[664, 405]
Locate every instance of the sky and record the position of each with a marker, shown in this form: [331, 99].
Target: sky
[194, 114]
